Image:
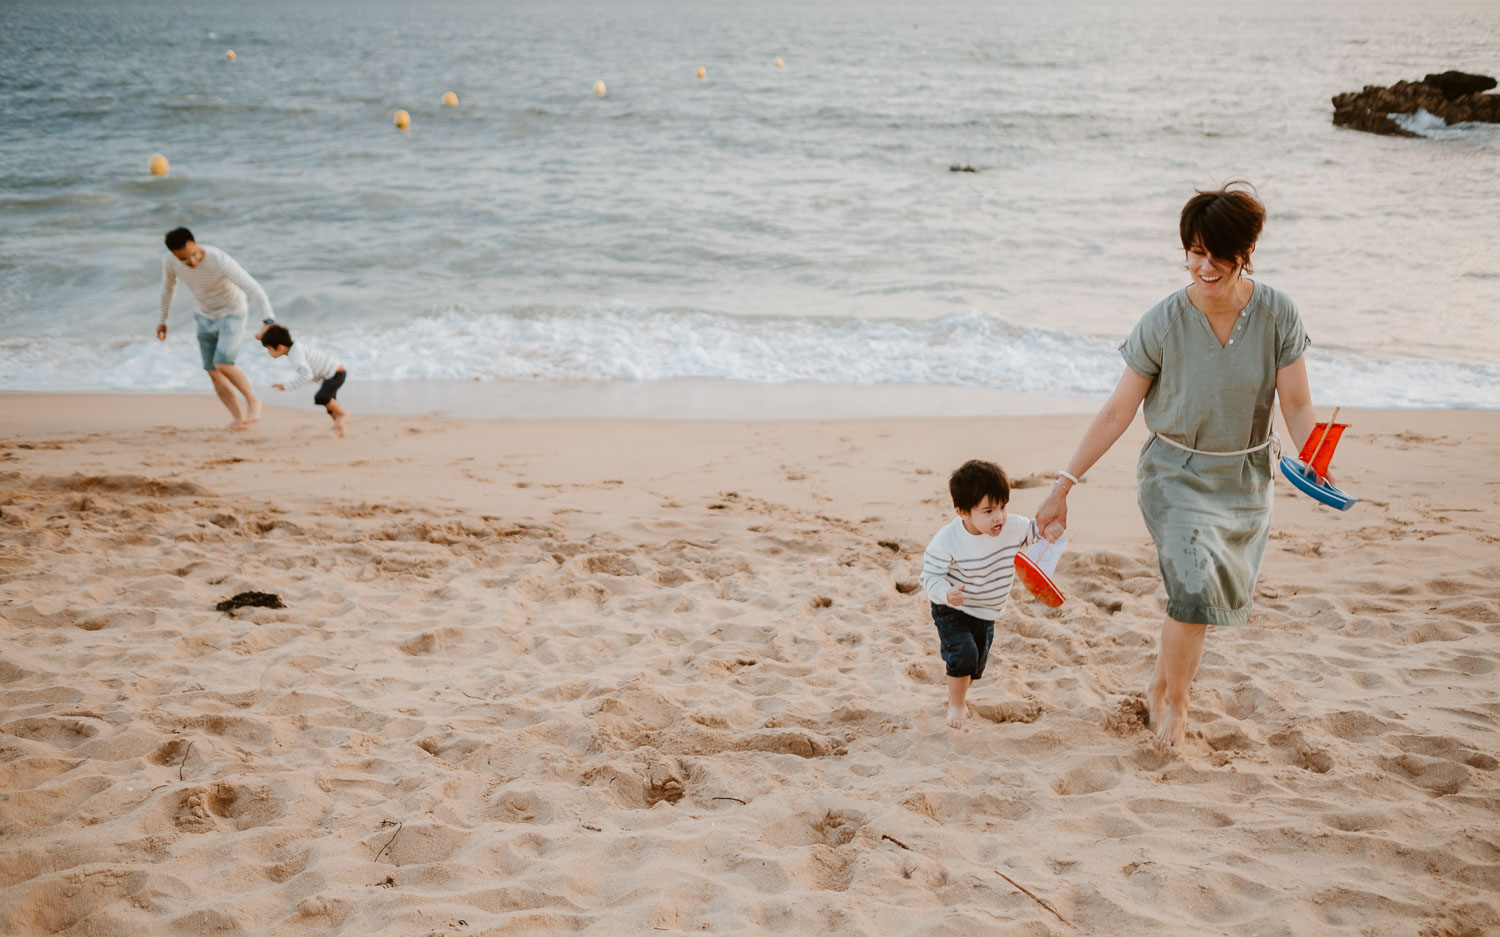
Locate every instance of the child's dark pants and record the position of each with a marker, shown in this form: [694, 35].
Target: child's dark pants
[965, 640]
[329, 389]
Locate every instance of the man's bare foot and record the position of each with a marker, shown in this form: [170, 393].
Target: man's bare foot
[1171, 728]
[339, 424]
[957, 715]
[255, 408]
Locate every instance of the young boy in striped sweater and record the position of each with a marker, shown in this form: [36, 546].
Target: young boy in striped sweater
[311, 364]
[967, 573]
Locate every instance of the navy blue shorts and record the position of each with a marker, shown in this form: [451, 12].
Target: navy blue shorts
[965, 640]
[329, 389]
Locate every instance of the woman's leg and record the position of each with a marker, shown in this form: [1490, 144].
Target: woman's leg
[1176, 664]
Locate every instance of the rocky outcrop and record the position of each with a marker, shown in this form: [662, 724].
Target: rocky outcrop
[1455, 85]
[1453, 96]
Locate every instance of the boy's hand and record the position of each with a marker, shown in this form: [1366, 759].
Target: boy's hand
[161, 332]
[956, 596]
[1053, 531]
[279, 386]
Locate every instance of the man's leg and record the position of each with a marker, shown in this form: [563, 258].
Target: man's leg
[209, 334]
[240, 381]
[225, 390]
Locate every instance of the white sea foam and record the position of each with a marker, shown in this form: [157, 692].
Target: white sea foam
[621, 342]
[1424, 123]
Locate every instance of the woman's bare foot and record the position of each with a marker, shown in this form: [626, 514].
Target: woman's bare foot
[957, 715]
[255, 408]
[237, 426]
[1154, 704]
[1171, 729]
[339, 425]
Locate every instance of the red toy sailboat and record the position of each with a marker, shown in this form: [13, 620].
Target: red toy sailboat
[1308, 473]
[1035, 571]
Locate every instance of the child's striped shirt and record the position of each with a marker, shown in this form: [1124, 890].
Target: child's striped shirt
[982, 564]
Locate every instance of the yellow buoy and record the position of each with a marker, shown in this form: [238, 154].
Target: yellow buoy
[229, 55]
[403, 120]
[158, 165]
[778, 63]
[599, 88]
[450, 99]
[702, 72]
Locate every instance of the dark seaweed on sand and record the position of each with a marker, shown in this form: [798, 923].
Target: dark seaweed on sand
[261, 599]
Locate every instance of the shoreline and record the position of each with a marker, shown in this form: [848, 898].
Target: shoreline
[672, 400]
[678, 399]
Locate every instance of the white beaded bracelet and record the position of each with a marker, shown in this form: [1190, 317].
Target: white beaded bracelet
[1064, 473]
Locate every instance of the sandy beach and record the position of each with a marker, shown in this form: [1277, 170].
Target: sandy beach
[619, 677]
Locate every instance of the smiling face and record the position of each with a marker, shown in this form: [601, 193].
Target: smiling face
[1213, 278]
[190, 254]
[987, 518]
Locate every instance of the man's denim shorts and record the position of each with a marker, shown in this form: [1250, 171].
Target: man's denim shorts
[219, 339]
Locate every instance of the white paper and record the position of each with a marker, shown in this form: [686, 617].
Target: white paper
[1045, 555]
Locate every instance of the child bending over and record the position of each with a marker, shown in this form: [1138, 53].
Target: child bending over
[310, 365]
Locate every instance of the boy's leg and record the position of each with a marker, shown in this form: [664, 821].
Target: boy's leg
[339, 414]
[960, 654]
[1176, 665]
[324, 398]
[958, 707]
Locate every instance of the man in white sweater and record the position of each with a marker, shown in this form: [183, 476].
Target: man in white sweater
[219, 286]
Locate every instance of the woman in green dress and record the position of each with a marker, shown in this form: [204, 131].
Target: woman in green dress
[1207, 362]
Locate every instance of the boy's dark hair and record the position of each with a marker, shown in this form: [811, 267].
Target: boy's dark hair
[976, 480]
[1226, 223]
[177, 238]
[276, 335]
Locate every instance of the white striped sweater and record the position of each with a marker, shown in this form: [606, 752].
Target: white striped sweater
[311, 364]
[983, 565]
[218, 285]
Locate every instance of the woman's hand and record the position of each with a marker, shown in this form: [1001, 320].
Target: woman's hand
[1052, 516]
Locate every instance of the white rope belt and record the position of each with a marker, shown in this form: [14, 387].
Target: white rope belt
[1273, 442]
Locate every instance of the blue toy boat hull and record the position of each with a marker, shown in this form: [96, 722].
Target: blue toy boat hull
[1305, 481]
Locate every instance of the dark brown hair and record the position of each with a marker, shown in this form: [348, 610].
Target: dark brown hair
[276, 336]
[177, 238]
[976, 480]
[1226, 222]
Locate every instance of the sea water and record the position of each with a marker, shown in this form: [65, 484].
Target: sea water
[794, 225]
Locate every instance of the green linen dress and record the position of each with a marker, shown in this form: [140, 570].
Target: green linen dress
[1210, 515]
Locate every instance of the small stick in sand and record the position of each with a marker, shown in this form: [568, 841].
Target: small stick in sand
[188, 751]
[1027, 892]
[896, 841]
[391, 840]
[735, 799]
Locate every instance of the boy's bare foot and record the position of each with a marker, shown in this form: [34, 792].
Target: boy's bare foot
[957, 715]
[255, 407]
[339, 424]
